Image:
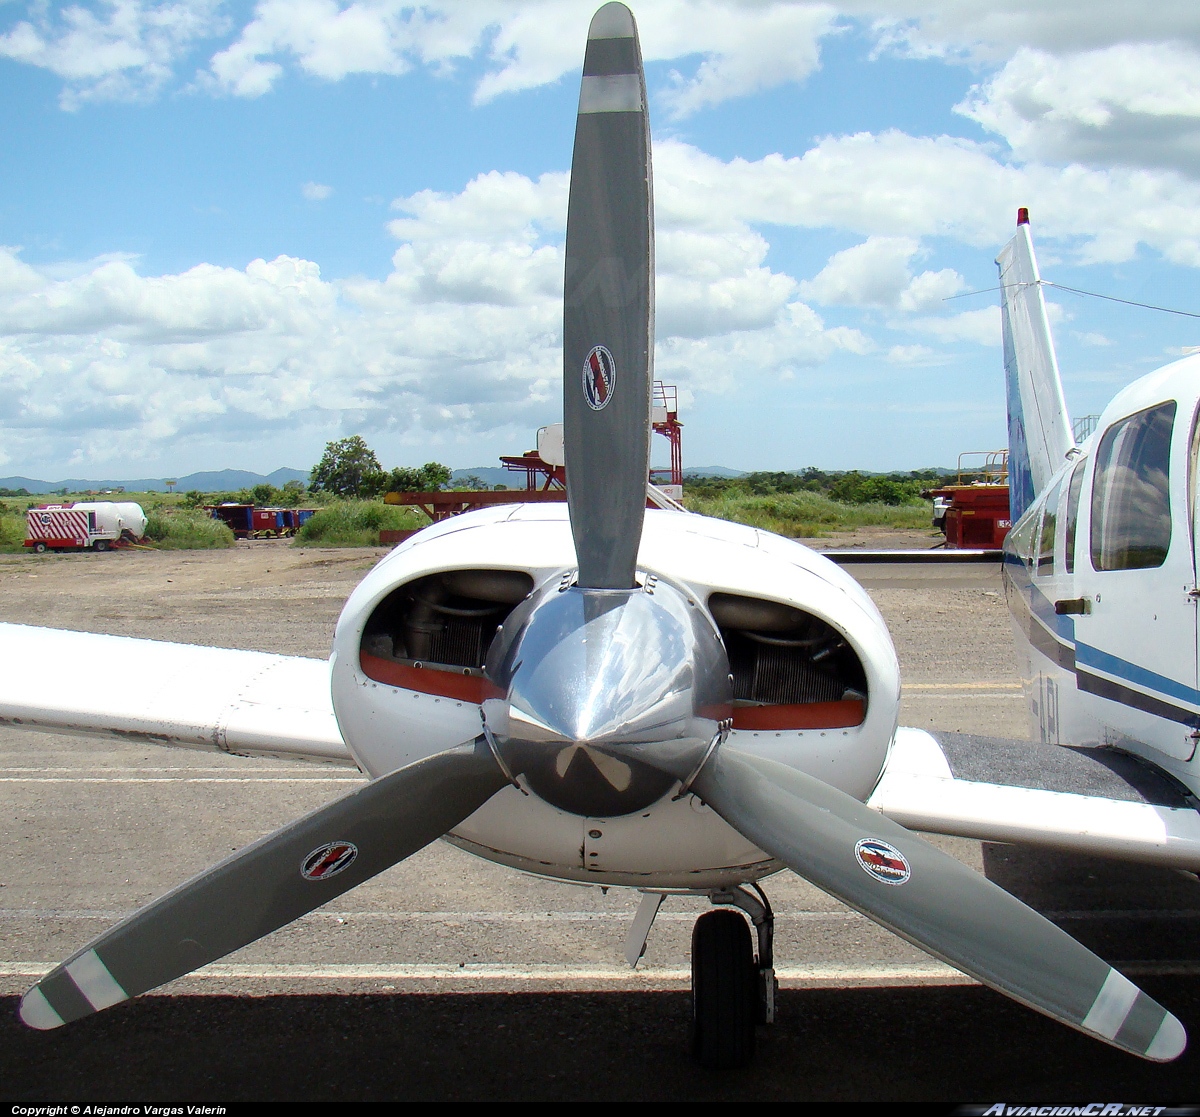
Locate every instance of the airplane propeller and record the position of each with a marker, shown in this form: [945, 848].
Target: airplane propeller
[899, 880]
[608, 306]
[269, 883]
[616, 690]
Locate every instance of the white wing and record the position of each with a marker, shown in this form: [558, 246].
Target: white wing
[248, 703]
[1092, 801]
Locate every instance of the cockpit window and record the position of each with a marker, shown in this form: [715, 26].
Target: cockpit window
[1131, 504]
[1072, 514]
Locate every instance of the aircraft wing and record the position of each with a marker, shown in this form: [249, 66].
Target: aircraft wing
[248, 703]
[1084, 800]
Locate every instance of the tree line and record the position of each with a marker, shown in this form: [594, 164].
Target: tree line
[844, 486]
[349, 468]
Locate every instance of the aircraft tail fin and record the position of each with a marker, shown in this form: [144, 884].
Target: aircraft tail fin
[1039, 430]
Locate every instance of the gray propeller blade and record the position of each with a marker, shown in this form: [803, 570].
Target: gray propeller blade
[268, 884]
[933, 901]
[608, 316]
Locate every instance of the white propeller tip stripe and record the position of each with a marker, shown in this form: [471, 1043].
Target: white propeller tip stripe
[37, 1012]
[1169, 1041]
[610, 93]
[1111, 1006]
[613, 21]
[95, 982]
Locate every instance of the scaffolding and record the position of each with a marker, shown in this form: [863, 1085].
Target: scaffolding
[544, 476]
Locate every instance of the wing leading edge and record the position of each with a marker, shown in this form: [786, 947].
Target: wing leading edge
[1091, 801]
[248, 703]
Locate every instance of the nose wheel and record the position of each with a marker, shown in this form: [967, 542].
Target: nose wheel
[732, 990]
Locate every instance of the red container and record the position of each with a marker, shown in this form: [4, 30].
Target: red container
[978, 516]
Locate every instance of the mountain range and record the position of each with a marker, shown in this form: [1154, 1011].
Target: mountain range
[210, 481]
[230, 480]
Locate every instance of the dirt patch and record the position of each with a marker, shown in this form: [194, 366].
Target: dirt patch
[879, 539]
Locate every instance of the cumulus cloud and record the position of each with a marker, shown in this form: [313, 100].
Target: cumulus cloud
[740, 47]
[877, 273]
[1133, 103]
[132, 48]
[113, 49]
[980, 326]
[895, 185]
[463, 335]
[986, 31]
[912, 355]
[316, 191]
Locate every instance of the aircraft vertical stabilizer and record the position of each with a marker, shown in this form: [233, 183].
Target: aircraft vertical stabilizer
[1039, 430]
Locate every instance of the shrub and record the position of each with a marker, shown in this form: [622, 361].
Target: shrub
[12, 530]
[356, 523]
[186, 531]
[805, 514]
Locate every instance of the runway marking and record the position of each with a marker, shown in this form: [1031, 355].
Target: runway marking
[180, 779]
[173, 768]
[883, 974]
[928, 972]
[451, 916]
[579, 916]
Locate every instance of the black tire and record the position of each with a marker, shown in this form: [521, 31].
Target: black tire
[39, 548]
[724, 994]
[100, 545]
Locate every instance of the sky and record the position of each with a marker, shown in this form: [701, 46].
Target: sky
[231, 232]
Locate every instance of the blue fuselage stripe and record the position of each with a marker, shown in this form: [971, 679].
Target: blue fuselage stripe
[1131, 672]
[1062, 629]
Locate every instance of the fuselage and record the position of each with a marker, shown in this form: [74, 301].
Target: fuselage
[428, 652]
[1100, 577]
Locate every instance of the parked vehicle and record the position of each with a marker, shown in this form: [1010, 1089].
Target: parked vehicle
[84, 525]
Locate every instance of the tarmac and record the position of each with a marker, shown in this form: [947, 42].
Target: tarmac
[448, 977]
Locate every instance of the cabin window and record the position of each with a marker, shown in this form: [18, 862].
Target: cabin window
[1045, 555]
[1072, 514]
[1131, 504]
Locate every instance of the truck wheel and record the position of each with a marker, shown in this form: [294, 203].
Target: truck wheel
[100, 545]
[40, 548]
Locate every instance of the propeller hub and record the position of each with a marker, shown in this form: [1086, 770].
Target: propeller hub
[611, 696]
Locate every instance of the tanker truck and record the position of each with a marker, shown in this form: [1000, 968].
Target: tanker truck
[94, 525]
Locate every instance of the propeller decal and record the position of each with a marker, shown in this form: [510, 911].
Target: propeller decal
[328, 860]
[882, 861]
[599, 378]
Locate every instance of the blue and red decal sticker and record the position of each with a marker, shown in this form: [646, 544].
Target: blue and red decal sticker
[882, 861]
[328, 860]
[599, 378]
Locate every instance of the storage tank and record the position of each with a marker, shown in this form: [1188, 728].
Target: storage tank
[133, 519]
[113, 519]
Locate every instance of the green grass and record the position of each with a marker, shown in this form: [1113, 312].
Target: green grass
[12, 530]
[356, 523]
[807, 515]
[186, 531]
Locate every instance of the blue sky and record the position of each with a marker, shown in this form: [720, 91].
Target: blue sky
[235, 231]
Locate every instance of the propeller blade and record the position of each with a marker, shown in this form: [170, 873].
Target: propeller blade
[608, 315]
[268, 884]
[935, 902]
